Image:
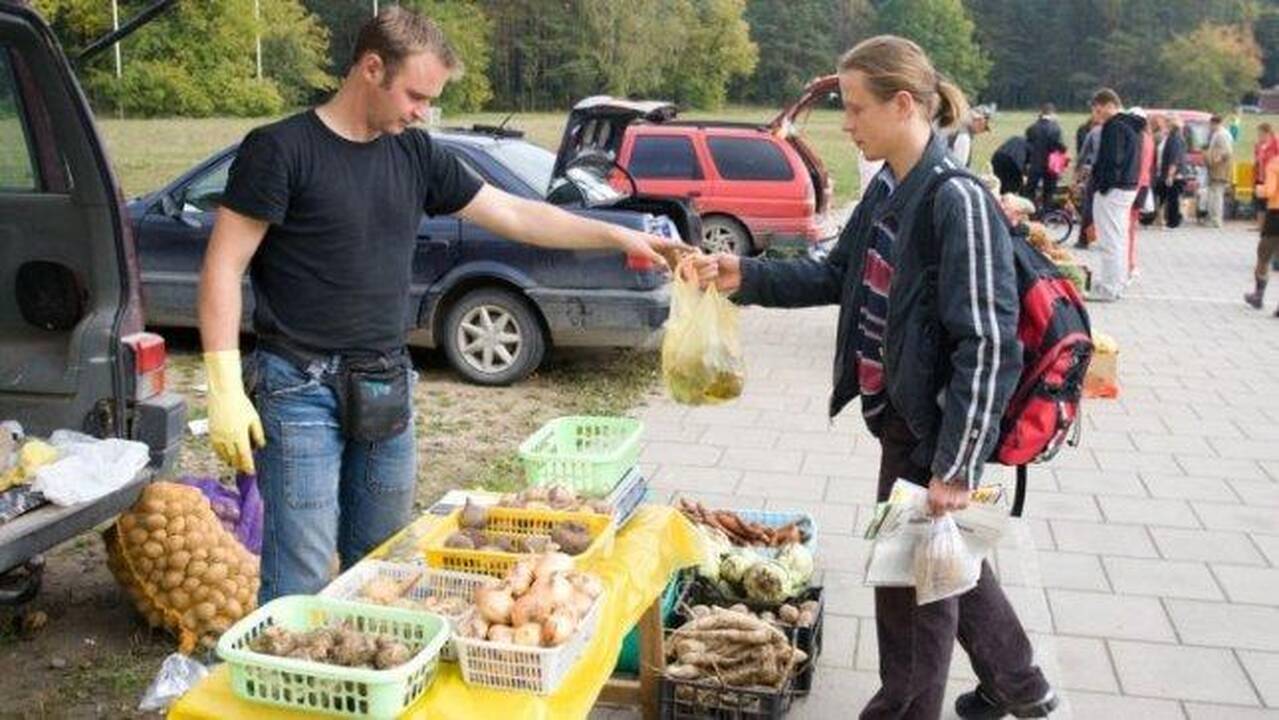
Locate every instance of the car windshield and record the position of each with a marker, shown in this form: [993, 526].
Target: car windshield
[535, 165]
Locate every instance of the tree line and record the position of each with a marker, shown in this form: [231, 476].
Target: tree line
[200, 58]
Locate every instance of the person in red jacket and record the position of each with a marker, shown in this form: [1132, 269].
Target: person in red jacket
[1267, 147]
[1143, 189]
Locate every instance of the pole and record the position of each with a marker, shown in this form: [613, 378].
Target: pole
[115, 25]
[257, 30]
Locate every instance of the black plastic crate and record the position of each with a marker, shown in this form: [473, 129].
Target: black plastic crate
[700, 591]
[703, 700]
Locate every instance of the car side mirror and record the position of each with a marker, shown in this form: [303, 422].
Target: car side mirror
[172, 208]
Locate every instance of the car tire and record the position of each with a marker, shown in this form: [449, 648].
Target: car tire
[723, 234]
[492, 336]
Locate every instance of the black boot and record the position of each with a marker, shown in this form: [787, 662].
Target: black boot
[1254, 298]
[977, 705]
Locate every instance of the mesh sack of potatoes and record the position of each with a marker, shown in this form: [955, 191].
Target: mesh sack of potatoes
[184, 571]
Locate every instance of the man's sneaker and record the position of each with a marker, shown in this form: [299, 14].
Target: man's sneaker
[977, 705]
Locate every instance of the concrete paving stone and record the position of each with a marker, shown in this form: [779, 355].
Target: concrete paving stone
[1220, 516]
[659, 411]
[839, 642]
[1194, 425]
[770, 402]
[836, 465]
[1075, 459]
[1242, 449]
[681, 453]
[1107, 423]
[738, 437]
[843, 553]
[1072, 571]
[1191, 395]
[724, 416]
[1104, 615]
[696, 480]
[1042, 534]
[1124, 540]
[1165, 578]
[1144, 462]
[1270, 468]
[772, 461]
[1228, 412]
[1085, 705]
[858, 491]
[1170, 443]
[868, 655]
[1108, 440]
[1248, 627]
[1269, 545]
[837, 692]
[1032, 607]
[787, 485]
[1206, 545]
[831, 518]
[793, 421]
[1249, 584]
[673, 432]
[1062, 506]
[1225, 467]
[1263, 668]
[830, 443]
[1077, 663]
[1145, 511]
[717, 500]
[1179, 672]
[1257, 492]
[1206, 711]
[1097, 482]
[847, 593]
[1180, 487]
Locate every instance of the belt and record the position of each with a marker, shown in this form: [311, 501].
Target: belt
[302, 356]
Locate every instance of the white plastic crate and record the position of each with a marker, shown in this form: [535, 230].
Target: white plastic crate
[430, 582]
[529, 669]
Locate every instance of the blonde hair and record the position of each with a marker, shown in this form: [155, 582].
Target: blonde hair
[894, 64]
[396, 33]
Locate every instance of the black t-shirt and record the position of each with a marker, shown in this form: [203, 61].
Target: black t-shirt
[334, 268]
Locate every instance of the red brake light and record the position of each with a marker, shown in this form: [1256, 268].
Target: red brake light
[149, 358]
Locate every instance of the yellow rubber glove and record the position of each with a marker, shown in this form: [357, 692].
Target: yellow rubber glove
[234, 426]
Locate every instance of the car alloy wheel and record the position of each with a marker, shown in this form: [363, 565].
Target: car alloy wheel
[489, 338]
[724, 235]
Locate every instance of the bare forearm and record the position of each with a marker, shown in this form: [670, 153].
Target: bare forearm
[545, 225]
[219, 308]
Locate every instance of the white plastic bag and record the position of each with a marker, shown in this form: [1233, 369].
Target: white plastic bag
[896, 529]
[944, 566]
[178, 673]
[89, 468]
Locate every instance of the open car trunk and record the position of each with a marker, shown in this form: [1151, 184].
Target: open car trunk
[70, 318]
[784, 126]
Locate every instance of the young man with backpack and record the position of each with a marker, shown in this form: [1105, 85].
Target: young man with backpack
[933, 296]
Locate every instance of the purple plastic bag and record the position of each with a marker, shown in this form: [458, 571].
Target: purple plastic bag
[239, 509]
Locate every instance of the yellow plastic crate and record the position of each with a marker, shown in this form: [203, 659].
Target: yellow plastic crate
[515, 522]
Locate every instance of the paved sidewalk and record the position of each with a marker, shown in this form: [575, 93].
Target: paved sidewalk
[1147, 567]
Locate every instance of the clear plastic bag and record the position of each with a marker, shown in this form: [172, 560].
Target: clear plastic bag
[943, 564]
[178, 673]
[702, 350]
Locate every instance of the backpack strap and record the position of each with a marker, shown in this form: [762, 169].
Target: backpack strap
[923, 237]
[1019, 494]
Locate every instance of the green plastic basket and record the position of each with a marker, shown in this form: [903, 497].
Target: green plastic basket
[588, 455]
[331, 689]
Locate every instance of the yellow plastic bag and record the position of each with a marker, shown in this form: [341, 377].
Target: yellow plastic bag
[702, 349]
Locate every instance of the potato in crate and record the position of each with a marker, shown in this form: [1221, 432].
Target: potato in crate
[489, 541]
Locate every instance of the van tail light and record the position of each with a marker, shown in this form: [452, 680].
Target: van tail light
[145, 360]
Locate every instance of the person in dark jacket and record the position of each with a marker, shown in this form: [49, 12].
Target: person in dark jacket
[1044, 138]
[933, 357]
[1114, 180]
[1009, 164]
[1171, 161]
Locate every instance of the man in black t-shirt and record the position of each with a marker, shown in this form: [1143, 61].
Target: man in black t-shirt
[322, 208]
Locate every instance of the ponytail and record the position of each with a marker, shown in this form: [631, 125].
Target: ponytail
[894, 64]
[952, 106]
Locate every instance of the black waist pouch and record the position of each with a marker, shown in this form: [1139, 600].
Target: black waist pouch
[373, 396]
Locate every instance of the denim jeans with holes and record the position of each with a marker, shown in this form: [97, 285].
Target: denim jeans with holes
[322, 493]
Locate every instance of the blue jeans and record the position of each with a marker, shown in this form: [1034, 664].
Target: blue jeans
[321, 493]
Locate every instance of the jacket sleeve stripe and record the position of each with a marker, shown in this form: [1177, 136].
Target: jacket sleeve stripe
[989, 298]
[977, 327]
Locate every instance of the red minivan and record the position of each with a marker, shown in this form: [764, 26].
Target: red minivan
[755, 186]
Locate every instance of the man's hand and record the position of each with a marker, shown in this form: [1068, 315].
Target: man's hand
[234, 426]
[661, 251]
[943, 497]
[722, 269]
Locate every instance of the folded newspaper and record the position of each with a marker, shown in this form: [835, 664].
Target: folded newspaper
[939, 557]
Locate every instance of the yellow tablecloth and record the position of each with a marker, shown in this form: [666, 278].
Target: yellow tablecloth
[657, 541]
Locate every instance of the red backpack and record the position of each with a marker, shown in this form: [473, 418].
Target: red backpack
[1056, 337]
